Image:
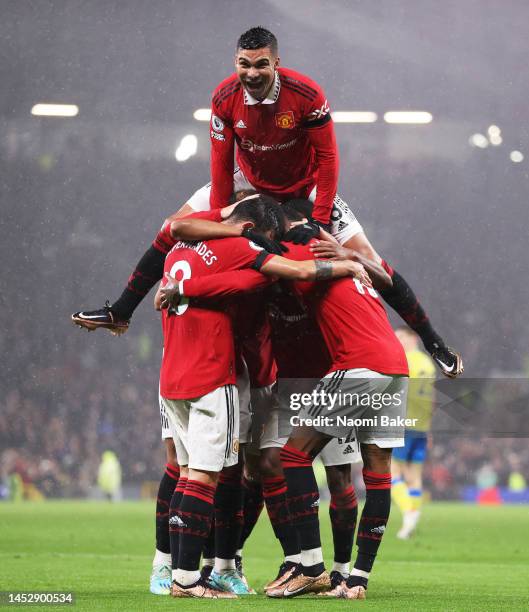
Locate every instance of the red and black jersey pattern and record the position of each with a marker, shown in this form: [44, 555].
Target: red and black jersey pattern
[228, 88]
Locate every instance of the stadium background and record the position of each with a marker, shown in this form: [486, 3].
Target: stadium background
[81, 197]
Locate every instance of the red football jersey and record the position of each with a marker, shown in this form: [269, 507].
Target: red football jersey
[199, 353]
[285, 143]
[353, 322]
[299, 348]
[253, 338]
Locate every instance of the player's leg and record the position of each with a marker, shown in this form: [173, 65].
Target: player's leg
[374, 517]
[412, 474]
[413, 477]
[253, 501]
[348, 231]
[337, 457]
[297, 457]
[228, 528]
[160, 583]
[399, 487]
[207, 431]
[376, 444]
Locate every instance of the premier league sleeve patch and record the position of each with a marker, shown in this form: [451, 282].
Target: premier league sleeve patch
[217, 124]
[285, 120]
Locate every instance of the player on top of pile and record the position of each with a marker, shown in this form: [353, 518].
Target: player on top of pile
[286, 148]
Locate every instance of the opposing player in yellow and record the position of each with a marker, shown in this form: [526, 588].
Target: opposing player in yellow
[408, 460]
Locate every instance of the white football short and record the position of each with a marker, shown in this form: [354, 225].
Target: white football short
[341, 451]
[266, 424]
[164, 419]
[206, 429]
[372, 403]
[344, 225]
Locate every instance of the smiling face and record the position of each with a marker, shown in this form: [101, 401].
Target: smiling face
[256, 70]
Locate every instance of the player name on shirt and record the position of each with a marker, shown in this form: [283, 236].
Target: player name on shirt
[200, 248]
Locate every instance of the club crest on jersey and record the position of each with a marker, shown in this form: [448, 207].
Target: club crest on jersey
[285, 120]
[217, 124]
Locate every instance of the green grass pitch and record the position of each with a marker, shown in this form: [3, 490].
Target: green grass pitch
[463, 558]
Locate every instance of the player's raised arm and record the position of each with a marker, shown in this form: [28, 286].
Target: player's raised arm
[313, 269]
[222, 159]
[320, 130]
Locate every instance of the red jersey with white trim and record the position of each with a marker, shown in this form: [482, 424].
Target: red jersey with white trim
[199, 353]
[285, 143]
[353, 322]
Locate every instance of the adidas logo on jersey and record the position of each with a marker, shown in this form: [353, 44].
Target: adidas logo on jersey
[348, 450]
[240, 124]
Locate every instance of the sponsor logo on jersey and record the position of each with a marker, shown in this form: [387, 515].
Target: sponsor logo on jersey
[320, 112]
[285, 120]
[248, 145]
[240, 124]
[217, 136]
[217, 124]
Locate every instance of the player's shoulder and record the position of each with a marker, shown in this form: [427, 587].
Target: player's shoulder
[299, 83]
[226, 89]
[298, 252]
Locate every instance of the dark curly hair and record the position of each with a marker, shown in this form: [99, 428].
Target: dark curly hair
[257, 38]
[266, 214]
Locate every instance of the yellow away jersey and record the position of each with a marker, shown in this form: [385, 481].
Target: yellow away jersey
[421, 389]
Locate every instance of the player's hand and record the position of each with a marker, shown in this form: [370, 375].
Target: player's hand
[272, 246]
[303, 233]
[330, 250]
[358, 271]
[169, 293]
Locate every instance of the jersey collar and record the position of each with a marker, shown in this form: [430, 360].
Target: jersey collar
[272, 96]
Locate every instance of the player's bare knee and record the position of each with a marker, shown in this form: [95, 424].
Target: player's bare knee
[338, 478]
[204, 477]
[170, 452]
[251, 467]
[376, 459]
[270, 463]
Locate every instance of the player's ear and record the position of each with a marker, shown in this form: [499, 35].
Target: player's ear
[277, 61]
[248, 224]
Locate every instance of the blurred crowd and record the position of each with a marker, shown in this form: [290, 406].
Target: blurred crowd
[57, 420]
[78, 215]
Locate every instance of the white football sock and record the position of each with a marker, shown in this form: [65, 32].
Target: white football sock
[223, 565]
[343, 568]
[361, 573]
[293, 558]
[185, 577]
[161, 558]
[311, 557]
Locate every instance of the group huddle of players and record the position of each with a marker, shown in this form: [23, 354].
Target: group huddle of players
[280, 284]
